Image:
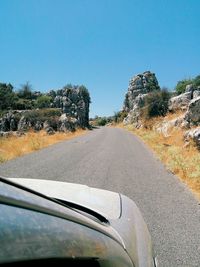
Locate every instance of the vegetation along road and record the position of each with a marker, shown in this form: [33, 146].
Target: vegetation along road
[114, 159]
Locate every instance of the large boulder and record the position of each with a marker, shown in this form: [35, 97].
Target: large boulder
[180, 102]
[67, 124]
[194, 135]
[193, 113]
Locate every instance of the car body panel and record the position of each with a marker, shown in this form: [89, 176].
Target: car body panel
[105, 202]
[126, 225]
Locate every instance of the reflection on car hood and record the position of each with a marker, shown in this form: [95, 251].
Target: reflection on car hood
[104, 202]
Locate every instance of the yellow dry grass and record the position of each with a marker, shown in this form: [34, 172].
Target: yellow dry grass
[182, 160]
[13, 146]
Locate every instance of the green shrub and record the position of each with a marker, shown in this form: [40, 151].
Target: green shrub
[101, 121]
[43, 101]
[197, 81]
[119, 116]
[156, 104]
[181, 86]
[50, 115]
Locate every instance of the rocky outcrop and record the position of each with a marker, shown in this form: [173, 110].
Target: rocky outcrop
[67, 124]
[74, 102]
[193, 113]
[194, 135]
[23, 121]
[182, 101]
[165, 126]
[139, 87]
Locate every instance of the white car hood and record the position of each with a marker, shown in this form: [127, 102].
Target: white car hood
[105, 202]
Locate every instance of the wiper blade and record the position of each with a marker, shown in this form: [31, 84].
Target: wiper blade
[84, 209]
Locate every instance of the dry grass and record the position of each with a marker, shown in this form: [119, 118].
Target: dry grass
[13, 146]
[182, 160]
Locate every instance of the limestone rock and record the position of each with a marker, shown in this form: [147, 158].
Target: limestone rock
[194, 135]
[196, 93]
[49, 130]
[139, 87]
[67, 124]
[74, 102]
[193, 113]
[140, 84]
[24, 124]
[165, 126]
[180, 102]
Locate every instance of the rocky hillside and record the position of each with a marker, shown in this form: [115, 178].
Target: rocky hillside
[68, 109]
[140, 93]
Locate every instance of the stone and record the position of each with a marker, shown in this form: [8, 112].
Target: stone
[23, 124]
[194, 135]
[139, 85]
[196, 93]
[189, 88]
[193, 113]
[74, 102]
[180, 102]
[165, 126]
[138, 89]
[49, 130]
[38, 126]
[67, 124]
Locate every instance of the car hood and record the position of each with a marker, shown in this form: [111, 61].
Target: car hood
[105, 202]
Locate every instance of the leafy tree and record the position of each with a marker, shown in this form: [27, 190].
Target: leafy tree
[7, 96]
[43, 101]
[83, 91]
[25, 91]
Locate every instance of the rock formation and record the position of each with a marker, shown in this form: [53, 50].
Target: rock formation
[182, 101]
[71, 105]
[139, 86]
[74, 102]
[193, 112]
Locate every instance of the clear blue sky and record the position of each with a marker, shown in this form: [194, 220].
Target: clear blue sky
[98, 43]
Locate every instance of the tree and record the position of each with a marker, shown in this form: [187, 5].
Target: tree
[7, 96]
[25, 91]
[83, 91]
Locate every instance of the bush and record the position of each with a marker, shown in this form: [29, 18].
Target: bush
[181, 86]
[197, 81]
[50, 115]
[156, 104]
[101, 121]
[43, 101]
[119, 116]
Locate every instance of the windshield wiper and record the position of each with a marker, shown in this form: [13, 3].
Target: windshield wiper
[84, 209]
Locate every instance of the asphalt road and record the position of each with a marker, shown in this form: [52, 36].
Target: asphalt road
[114, 159]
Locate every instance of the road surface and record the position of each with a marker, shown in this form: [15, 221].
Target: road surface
[115, 159]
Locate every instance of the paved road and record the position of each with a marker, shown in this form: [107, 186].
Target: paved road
[114, 159]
